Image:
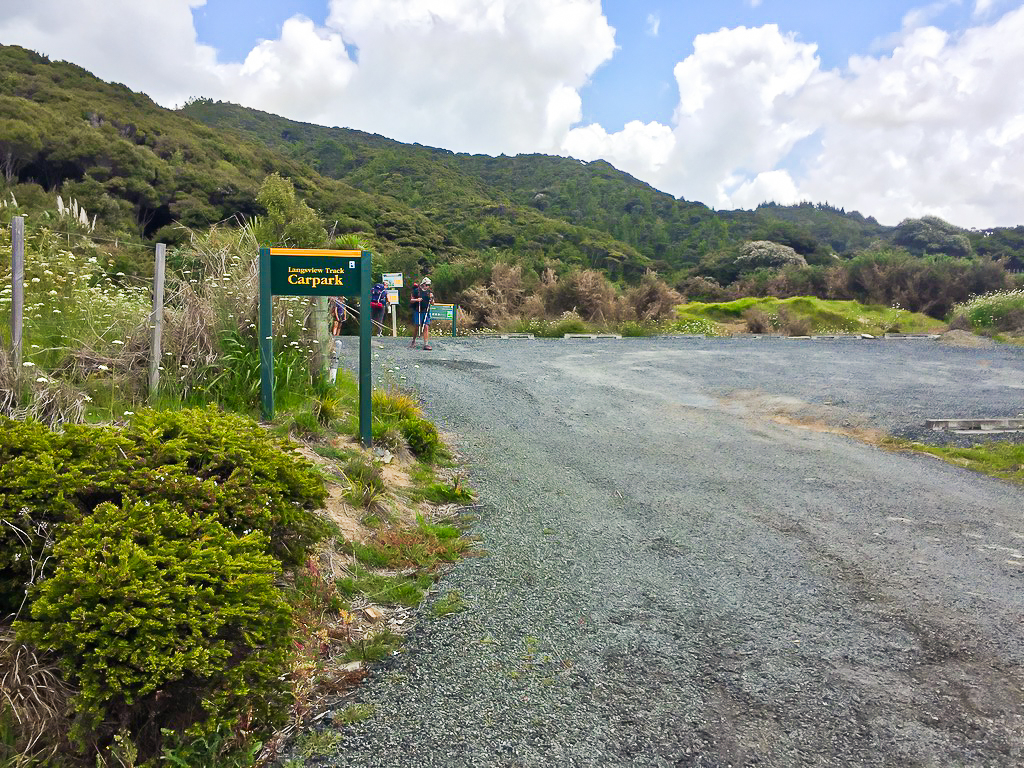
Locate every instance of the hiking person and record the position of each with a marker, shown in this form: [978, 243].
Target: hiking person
[378, 304]
[337, 313]
[422, 298]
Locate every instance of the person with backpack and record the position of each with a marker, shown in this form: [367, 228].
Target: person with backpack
[378, 305]
[422, 298]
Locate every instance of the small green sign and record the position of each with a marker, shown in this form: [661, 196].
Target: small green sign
[444, 312]
[308, 272]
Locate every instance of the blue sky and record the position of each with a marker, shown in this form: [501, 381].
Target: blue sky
[637, 83]
[896, 109]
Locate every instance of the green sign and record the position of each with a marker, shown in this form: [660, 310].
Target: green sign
[310, 272]
[306, 272]
[443, 312]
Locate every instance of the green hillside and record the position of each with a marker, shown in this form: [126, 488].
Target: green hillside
[145, 173]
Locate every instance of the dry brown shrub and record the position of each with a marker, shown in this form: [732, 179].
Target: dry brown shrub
[652, 299]
[479, 305]
[36, 699]
[837, 282]
[757, 321]
[959, 322]
[533, 307]
[507, 287]
[705, 289]
[587, 292]
[48, 399]
[793, 324]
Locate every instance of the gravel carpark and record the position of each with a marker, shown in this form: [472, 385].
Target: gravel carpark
[697, 554]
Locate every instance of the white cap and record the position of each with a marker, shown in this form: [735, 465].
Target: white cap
[425, 281]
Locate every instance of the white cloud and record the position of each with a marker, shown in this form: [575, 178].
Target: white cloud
[653, 24]
[982, 7]
[470, 75]
[936, 126]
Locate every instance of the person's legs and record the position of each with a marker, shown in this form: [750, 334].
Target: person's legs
[415, 329]
[426, 336]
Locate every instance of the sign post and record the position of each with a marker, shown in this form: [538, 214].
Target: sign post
[393, 281]
[313, 272]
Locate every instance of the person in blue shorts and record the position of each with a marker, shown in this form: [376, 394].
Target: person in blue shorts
[422, 297]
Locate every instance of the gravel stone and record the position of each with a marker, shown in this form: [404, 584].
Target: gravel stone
[673, 577]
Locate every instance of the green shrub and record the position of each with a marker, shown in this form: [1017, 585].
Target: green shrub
[632, 328]
[1001, 311]
[422, 438]
[569, 323]
[163, 618]
[209, 462]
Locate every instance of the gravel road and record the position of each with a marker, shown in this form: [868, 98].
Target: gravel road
[690, 561]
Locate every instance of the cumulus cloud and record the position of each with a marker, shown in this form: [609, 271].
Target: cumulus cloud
[936, 126]
[470, 75]
[982, 7]
[933, 124]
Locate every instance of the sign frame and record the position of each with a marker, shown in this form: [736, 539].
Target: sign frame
[314, 264]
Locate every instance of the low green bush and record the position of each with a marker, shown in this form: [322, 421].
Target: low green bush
[163, 619]
[207, 461]
[422, 438]
[1001, 311]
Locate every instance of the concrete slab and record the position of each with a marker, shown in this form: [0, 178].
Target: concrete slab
[976, 426]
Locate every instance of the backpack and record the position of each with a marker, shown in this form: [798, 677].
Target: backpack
[378, 294]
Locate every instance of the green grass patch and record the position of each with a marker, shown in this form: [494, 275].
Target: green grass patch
[450, 603]
[1003, 460]
[318, 744]
[424, 546]
[387, 589]
[374, 647]
[355, 713]
[823, 315]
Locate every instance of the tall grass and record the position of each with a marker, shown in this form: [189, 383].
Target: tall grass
[1002, 311]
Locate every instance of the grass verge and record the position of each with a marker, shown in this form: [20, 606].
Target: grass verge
[821, 316]
[1003, 460]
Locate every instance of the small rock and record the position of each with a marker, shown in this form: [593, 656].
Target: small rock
[372, 613]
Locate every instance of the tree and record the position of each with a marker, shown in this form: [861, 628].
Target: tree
[289, 221]
[932, 236]
[19, 143]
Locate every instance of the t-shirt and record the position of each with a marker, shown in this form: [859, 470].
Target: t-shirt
[425, 295]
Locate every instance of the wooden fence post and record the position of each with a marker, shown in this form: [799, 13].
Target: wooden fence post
[157, 320]
[17, 288]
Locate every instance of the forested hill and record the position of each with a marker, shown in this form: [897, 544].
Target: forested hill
[143, 171]
[671, 233]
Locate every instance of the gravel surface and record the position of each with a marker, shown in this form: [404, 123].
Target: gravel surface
[687, 566]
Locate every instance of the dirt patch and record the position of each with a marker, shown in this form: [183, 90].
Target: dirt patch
[958, 338]
[792, 412]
